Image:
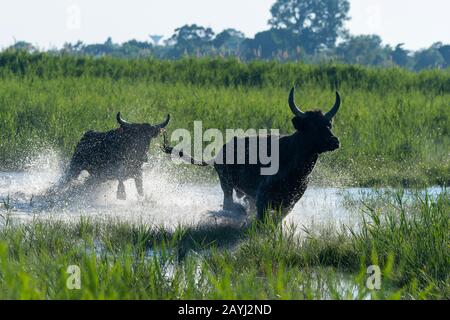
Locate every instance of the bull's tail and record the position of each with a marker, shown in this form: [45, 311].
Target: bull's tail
[166, 148]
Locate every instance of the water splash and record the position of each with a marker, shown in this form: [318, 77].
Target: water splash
[39, 173]
[169, 201]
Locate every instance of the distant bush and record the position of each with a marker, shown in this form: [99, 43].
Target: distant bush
[223, 72]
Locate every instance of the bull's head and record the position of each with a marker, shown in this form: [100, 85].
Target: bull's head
[316, 126]
[138, 136]
[142, 129]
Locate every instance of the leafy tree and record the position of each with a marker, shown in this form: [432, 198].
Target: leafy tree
[305, 30]
[134, 48]
[75, 49]
[444, 50]
[428, 59]
[107, 48]
[445, 53]
[229, 39]
[190, 39]
[401, 56]
[137, 44]
[23, 46]
[364, 49]
[274, 43]
[318, 23]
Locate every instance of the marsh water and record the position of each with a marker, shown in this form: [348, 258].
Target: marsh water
[168, 201]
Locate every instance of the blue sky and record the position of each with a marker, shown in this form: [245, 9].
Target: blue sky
[47, 23]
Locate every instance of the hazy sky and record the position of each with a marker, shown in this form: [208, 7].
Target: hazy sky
[46, 23]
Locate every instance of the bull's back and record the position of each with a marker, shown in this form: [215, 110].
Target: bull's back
[95, 151]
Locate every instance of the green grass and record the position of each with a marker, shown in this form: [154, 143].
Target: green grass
[220, 72]
[394, 128]
[388, 137]
[409, 241]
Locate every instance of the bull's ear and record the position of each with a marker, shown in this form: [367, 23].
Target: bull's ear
[299, 124]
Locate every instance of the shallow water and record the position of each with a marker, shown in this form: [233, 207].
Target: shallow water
[167, 202]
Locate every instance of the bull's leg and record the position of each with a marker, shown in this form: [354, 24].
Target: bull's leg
[121, 194]
[138, 180]
[228, 203]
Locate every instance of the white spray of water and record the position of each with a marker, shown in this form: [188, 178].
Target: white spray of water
[168, 200]
[39, 173]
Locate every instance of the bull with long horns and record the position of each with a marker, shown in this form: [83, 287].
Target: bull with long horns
[298, 154]
[115, 155]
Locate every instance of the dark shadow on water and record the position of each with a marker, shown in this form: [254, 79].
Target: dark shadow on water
[207, 237]
[237, 216]
[224, 231]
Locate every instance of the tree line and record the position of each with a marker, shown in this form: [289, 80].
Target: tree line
[310, 31]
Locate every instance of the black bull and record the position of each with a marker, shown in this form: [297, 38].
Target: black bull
[298, 154]
[114, 155]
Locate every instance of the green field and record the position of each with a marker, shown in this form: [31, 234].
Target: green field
[394, 124]
[408, 240]
[394, 130]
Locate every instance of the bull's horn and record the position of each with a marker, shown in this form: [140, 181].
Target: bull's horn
[163, 124]
[295, 110]
[330, 115]
[121, 121]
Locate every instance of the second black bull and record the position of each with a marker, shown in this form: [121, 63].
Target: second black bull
[115, 155]
[298, 154]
